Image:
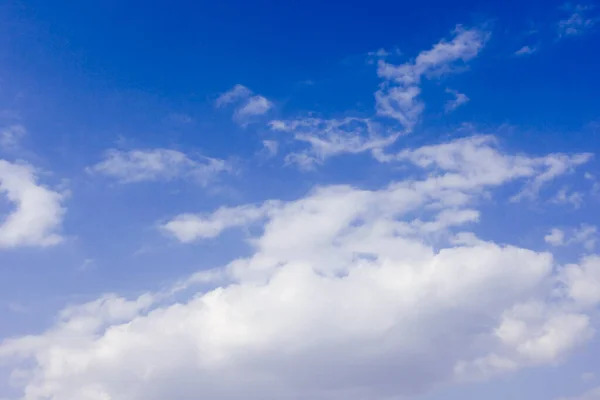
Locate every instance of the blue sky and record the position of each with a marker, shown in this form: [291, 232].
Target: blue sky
[297, 199]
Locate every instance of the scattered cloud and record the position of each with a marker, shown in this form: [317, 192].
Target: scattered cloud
[38, 211]
[158, 165]
[256, 105]
[578, 22]
[556, 237]
[343, 283]
[565, 197]
[238, 92]
[248, 105]
[584, 234]
[526, 50]
[327, 138]
[556, 165]
[479, 152]
[398, 97]
[271, 147]
[190, 227]
[459, 100]
[11, 135]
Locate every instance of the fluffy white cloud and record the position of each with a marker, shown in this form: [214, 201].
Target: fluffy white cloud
[331, 137]
[158, 164]
[398, 98]
[38, 211]
[348, 294]
[556, 237]
[248, 106]
[458, 100]
[578, 21]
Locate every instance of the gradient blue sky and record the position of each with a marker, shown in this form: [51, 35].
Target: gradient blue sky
[86, 85]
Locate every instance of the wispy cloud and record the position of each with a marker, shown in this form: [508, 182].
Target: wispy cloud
[458, 100]
[578, 22]
[158, 165]
[327, 138]
[526, 50]
[247, 104]
[398, 97]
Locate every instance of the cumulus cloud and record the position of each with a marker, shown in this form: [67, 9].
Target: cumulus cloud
[458, 100]
[38, 211]
[248, 106]
[578, 22]
[348, 294]
[327, 138]
[158, 165]
[398, 97]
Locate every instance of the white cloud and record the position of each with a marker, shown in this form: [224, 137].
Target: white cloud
[459, 100]
[38, 211]
[564, 197]
[556, 237]
[271, 147]
[479, 156]
[556, 164]
[158, 164]
[332, 137]
[578, 21]
[248, 106]
[584, 234]
[11, 135]
[348, 294]
[256, 105]
[525, 50]
[238, 92]
[190, 227]
[398, 96]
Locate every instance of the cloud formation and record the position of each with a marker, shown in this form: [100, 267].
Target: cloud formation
[327, 138]
[348, 294]
[578, 22]
[398, 97]
[248, 106]
[141, 165]
[38, 212]
[458, 100]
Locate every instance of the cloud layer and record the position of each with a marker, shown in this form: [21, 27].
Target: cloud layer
[349, 293]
